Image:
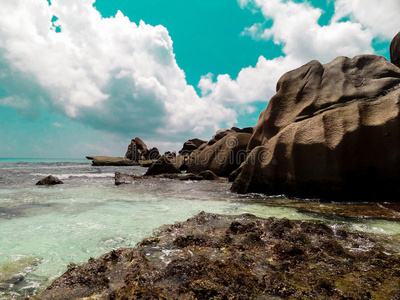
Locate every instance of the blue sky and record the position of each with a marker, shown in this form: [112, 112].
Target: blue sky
[79, 77]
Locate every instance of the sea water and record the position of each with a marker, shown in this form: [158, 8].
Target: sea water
[44, 228]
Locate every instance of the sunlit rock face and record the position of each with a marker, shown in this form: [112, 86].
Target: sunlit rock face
[330, 131]
[395, 50]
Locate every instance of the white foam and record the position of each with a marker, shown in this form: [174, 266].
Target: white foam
[72, 175]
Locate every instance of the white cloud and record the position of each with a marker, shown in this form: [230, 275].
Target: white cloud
[56, 124]
[295, 27]
[381, 17]
[118, 76]
[109, 73]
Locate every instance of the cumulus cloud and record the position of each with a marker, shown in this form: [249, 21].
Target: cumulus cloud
[110, 73]
[119, 76]
[381, 18]
[295, 28]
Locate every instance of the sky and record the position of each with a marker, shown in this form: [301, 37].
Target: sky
[83, 77]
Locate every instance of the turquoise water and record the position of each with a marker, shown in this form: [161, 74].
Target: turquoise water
[43, 229]
[42, 160]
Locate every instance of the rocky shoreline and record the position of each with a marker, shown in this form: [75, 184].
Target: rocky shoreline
[331, 132]
[238, 257]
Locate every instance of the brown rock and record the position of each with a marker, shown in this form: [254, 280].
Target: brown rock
[331, 131]
[395, 50]
[111, 161]
[219, 135]
[49, 180]
[223, 157]
[191, 145]
[162, 166]
[213, 256]
[135, 149]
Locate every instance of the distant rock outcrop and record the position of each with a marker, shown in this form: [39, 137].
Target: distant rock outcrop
[221, 157]
[191, 145]
[111, 161]
[49, 180]
[331, 131]
[395, 50]
[162, 166]
[135, 149]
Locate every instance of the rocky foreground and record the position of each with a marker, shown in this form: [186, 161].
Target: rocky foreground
[239, 257]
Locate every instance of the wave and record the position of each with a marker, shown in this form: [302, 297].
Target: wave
[67, 176]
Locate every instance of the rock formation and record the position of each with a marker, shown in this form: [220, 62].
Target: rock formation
[238, 257]
[135, 150]
[162, 166]
[223, 132]
[221, 157]
[331, 131]
[111, 161]
[49, 180]
[395, 50]
[191, 145]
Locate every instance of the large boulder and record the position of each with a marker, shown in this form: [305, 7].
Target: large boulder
[49, 180]
[222, 157]
[162, 166]
[331, 131]
[395, 50]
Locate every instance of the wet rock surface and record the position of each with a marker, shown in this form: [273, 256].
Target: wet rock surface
[49, 180]
[238, 257]
[121, 178]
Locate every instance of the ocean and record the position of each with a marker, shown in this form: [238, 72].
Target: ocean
[44, 228]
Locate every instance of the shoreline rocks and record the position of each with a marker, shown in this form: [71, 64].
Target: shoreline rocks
[238, 257]
[221, 157]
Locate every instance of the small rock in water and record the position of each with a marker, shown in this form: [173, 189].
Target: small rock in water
[49, 180]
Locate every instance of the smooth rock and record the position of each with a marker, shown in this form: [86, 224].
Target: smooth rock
[331, 131]
[111, 161]
[395, 50]
[222, 157]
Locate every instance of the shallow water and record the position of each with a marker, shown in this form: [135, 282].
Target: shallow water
[43, 229]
